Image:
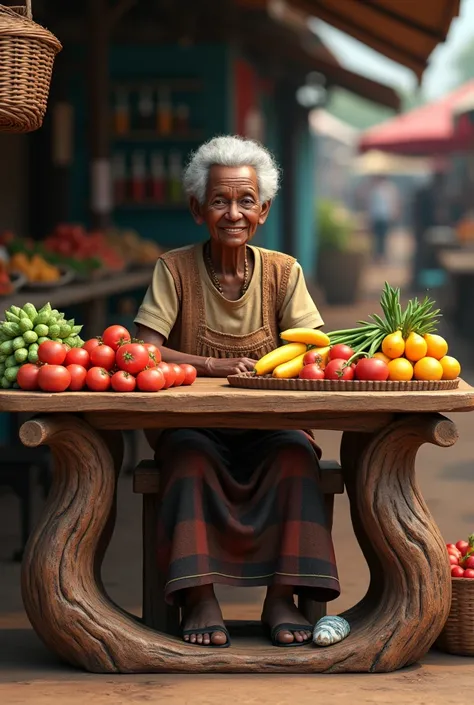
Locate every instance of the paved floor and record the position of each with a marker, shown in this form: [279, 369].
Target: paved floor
[29, 674]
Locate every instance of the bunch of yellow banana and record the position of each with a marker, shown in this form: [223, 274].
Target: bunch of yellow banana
[287, 361]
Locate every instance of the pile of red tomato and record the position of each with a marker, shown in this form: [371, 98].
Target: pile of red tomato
[338, 368]
[112, 361]
[461, 558]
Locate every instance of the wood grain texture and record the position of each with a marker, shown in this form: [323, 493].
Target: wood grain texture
[394, 625]
[215, 397]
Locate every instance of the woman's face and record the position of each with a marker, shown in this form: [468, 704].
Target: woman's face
[232, 210]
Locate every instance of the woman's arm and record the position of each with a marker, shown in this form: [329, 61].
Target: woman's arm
[205, 366]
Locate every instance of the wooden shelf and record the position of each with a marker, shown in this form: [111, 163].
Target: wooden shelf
[152, 136]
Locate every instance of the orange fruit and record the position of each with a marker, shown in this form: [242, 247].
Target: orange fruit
[382, 356]
[393, 345]
[400, 370]
[428, 368]
[451, 367]
[437, 346]
[415, 347]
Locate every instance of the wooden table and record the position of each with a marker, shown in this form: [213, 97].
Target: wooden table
[410, 589]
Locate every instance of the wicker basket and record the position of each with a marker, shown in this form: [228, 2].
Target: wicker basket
[457, 636]
[27, 53]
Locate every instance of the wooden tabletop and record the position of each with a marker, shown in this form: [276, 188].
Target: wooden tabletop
[215, 396]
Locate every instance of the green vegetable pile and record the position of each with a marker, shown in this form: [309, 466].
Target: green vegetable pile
[23, 331]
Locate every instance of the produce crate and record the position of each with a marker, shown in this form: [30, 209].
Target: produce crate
[457, 636]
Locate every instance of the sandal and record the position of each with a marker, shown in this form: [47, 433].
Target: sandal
[287, 626]
[208, 630]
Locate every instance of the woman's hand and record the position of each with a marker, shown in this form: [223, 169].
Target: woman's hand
[221, 367]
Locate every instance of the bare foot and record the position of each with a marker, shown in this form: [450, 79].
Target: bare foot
[201, 609]
[278, 608]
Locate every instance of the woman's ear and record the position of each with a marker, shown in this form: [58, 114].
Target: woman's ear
[264, 212]
[196, 210]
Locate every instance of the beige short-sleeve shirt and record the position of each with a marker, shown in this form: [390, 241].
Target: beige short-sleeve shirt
[160, 306]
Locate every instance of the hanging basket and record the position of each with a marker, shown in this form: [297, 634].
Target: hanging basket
[27, 53]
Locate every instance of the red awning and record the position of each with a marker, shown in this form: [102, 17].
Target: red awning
[425, 130]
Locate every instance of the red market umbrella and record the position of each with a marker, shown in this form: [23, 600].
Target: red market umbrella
[429, 129]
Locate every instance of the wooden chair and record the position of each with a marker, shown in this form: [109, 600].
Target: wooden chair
[156, 613]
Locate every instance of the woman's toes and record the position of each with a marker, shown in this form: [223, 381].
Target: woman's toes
[285, 637]
[218, 638]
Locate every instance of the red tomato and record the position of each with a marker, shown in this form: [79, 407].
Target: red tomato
[469, 573]
[371, 368]
[103, 356]
[132, 357]
[51, 353]
[456, 571]
[97, 379]
[53, 378]
[168, 373]
[190, 374]
[123, 382]
[453, 560]
[78, 356]
[27, 377]
[115, 336]
[154, 354]
[180, 375]
[340, 352]
[339, 370]
[90, 344]
[151, 380]
[454, 552]
[312, 371]
[468, 562]
[311, 357]
[78, 377]
[452, 546]
[463, 546]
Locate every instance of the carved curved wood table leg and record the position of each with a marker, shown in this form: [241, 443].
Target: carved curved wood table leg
[408, 599]
[394, 625]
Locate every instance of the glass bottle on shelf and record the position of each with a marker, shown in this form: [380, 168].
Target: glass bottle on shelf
[138, 180]
[182, 118]
[119, 176]
[145, 109]
[164, 115]
[175, 173]
[121, 112]
[158, 178]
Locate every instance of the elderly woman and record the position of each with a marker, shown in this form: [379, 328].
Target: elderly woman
[239, 508]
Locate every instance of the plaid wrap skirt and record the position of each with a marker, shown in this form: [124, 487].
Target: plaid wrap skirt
[242, 508]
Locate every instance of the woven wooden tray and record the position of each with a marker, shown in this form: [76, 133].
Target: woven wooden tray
[248, 380]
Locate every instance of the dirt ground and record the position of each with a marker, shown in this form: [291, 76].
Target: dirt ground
[30, 675]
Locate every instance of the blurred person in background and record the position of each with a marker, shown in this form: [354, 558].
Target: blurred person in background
[383, 211]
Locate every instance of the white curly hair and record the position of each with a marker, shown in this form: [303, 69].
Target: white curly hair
[231, 151]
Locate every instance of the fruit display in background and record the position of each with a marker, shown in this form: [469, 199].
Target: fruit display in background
[34, 267]
[25, 330]
[132, 247]
[6, 286]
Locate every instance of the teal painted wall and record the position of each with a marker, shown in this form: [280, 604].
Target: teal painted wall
[305, 201]
[209, 109]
